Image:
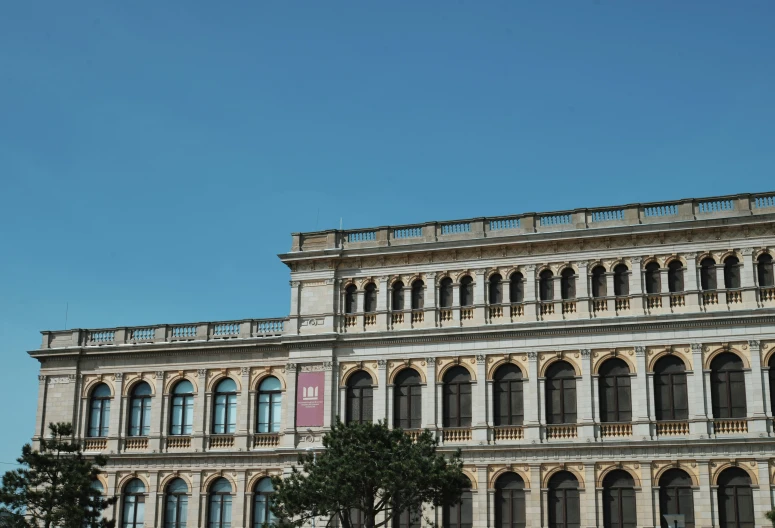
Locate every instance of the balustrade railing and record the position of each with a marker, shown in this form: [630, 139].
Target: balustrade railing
[370, 320]
[569, 307]
[101, 337]
[599, 305]
[139, 443]
[677, 300]
[418, 316]
[508, 433]
[767, 294]
[221, 441]
[226, 329]
[264, 440]
[455, 228]
[547, 308]
[456, 434]
[397, 318]
[615, 430]
[561, 432]
[734, 297]
[466, 313]
[517, 310]
[654, 301]
[672, 428]
[730, 426]
[178, 442]
[445, 315]
[414, 434]
[95, 444]
[496, 312]
[183, 332]
[709, 298]
[350, 320]
[622, 304]
[137, 335]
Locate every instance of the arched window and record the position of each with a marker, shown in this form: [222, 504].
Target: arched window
[219, 504]
[176, 504]
[771, 375]
[496, 288]
[560, 393]
[564, 507]
[225, 407]
[99, 410]
[675, 496]
[731, 272]
[568, 284]
[407, 400]
[398, 296]
[182, 415]
[735, 499]
[418, 295]
[727, 384]
[457, 397]
[599, 287]
[708, 274]
[619, 500]
[516, 288]
[359, 397]
[262, 503]
[140, 410]
[675, 276]
[270, 405]
[466, 291]
[764, 267]
[653, 281]
[461, 515]
[350, 299]
[370, 298]
[507, 395]
[134, 504]
[671, 401]
[546, 285]
[621, 280]
[614, 390]
[445, 293]
[510, 501]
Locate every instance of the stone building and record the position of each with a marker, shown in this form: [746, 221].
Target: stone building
[598, 367]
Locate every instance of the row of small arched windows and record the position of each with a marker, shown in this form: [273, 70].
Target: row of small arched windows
[671, 402]
[175, 513]
[676, 497]
[181, 412]
[546, 284]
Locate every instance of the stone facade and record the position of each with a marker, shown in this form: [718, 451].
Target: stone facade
[639, 327]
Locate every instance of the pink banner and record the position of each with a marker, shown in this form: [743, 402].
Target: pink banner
[310, 391]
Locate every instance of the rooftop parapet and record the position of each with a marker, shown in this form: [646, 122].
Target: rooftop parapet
[686, 210]
[136, 335]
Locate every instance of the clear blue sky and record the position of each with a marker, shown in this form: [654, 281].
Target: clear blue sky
[156, 156]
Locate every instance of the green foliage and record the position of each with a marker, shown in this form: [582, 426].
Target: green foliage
[54, 486]
[370, 468]
[770, 516]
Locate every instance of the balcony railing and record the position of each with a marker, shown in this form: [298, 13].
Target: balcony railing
[466, 313]
[95, 444]
[730, 426]
[672, 428]
[561, 432]
[221, 441]
[677, 300]
[266, 440]
[568, 307]
[767, 294]
[734, 297]
[178, 442]
[414, 434]
[456, 434]
[709, 298]
[622, 304]
[137, 443]
[508, 433]
[615, 430]
[418, 316]
[688, 210]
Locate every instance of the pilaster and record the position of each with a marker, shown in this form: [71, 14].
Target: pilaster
[481, 409]
[481, 505]
[380, 391]
[533, 403]
[289, 406]
[644, 498]
[244, 411]
[116, 413]
[331, 381]
[641, 396]
[383, 294]
[158, 404]
[586, 429]
[200, 425]
[530, 297]
[479, 294]
[757, 419]
[747, 281]
[691, 281]
[429, 395]
[582, 291]
[698, 417]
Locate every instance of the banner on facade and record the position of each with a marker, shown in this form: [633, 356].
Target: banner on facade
[310, 392]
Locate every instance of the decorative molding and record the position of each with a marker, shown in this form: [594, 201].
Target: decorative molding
[291, 367]
[696, 348]
[57, 380]
[431, 361]
[201, 373]
[755, 345]
[41, 378]
[245, 371]
[381, 363]
[585, 353]
[328, 365]
[640, 351]
[159, 374]
[532, 356]
[118, 376]
[481, 359]
[313, 321]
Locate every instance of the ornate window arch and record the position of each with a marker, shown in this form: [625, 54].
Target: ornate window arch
[764, 269]
[460, 515]
[350, 299]
[407, 399]
[140, 398]
[619, 508]
[510, 501]
[727, 381]
[598, 279]
[397, 296]
[370, 297]
[560, 393]
[732, 272]
[359, 396]
[99, 411]
[516, 287]
[219, 503]
[508, 401]
[495, 283]
[269, 405]
[445, 292]
[735, 498]
[675, 276]
[176, 503]
[708, 273]
[671, 399]
[621, 280]
[263, 492]
[133, 504]
[182, 408]
[225, 407]
[652, 278]
[564, 500]
[676, 496]
[615, 392]
[546, 285]
[418, 294]
[457, 397]
[466, 290]
[568, 283]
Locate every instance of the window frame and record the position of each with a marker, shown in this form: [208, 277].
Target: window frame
[181, 505]
[495, 289]
[227, 402]
[418, 294]
[558, 493]
[454, 391]
[361, 394]
[670, 495]
[413, 395]
[136, 497]
[102, 405]
[270, 519]
[615, 492]
[513, 389]
[397, 300]
[223, 499]
[672, 385]
[145, 402]
[567, 383]
[186, 402]
[675, 276]
[721, 381]
[599, 282]
[274, 397]
[505, 495]
[618, 385]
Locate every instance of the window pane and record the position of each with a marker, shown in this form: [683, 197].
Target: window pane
[231, 421]
[188, 415]
[277, 405]
[263, 413]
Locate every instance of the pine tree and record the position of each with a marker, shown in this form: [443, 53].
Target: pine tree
[368, 468]
[54, 487]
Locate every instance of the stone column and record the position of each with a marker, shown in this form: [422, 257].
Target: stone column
[644, 504]
[706, 499]
[747, 281]
[292, 326]
[481, 510]
[698, 414]
[762, 497]
[766, 390]
[637, 301]
[532, 403]
[238, 505]
[429, 395]
[112, 512]
[429, 300]
[582, 291]
[245, 414]
[158, 418]
[664, 288]
[152, 516]
[557, 290]
[380, 391]
[383, 298]
[757, 420]
[194, 500]
[720, 286]
[591, 516]
[610, 290]
[584, 393]
[533, 510]
[390, 405]
[641, 396]
[288, 439]
[530, 299]
[455, 304]
[479, 296]
[116, 414]
[480, 405]
[691, 286]
[40, 415]
[360, 308]
[201, 423]
[331, 381]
